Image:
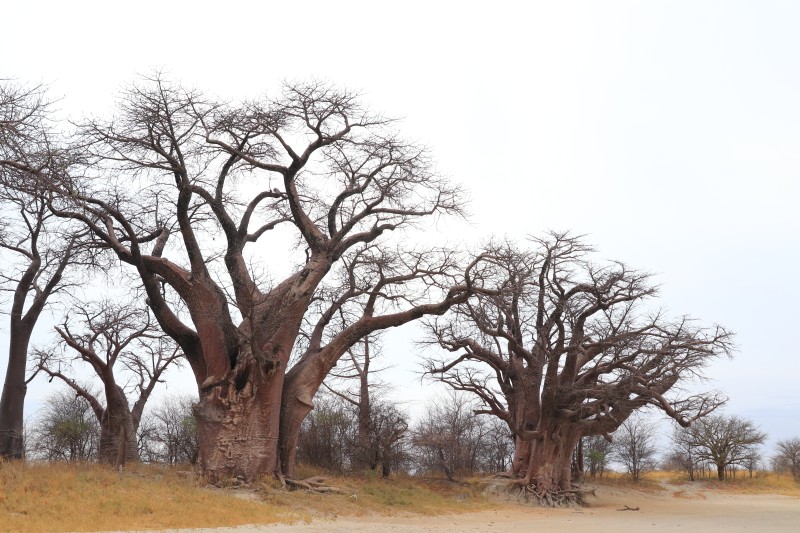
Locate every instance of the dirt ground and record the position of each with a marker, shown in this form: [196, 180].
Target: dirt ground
[678, 508]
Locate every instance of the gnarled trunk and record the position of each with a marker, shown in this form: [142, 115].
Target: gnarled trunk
[545, 463]
[238, 423]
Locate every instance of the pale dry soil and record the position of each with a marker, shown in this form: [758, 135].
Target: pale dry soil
[685, 508]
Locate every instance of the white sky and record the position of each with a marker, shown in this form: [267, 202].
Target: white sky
[669, 132]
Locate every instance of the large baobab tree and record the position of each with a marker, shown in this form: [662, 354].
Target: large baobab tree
[565, 348]
[188, 193]
[35, 246]
[127, 352]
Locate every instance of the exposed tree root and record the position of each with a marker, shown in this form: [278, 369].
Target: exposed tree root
[507, 487]
[311, 484]
[626, 508]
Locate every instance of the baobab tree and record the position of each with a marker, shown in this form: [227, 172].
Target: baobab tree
[565, 348]
[127, 352]
[35, 247]
[187, 192]
[724, 441]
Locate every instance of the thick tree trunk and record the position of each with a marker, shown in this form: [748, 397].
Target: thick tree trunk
[238, 423]
[545, 463]
[116, 423]
[12, 402]
[721, 472]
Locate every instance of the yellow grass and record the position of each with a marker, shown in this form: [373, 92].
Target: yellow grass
[761, 483]
[61, 497]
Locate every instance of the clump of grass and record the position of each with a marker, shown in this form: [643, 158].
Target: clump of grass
[83, 497]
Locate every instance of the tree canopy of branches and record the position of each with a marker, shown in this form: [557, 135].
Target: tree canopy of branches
[562, 347]
[35, 247]
[174, 170]
[723, 441]
[125, 350]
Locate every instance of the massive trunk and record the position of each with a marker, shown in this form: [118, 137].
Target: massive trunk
[12, 402]
[545, 462]
[238, 421]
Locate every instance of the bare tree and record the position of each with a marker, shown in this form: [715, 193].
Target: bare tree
[634, 446]
[65, 429]
[328, 437]
[685, 453]
[560, 347]
[724, 441]
[174, 170]
[380, 425]
[168, 432]
[450, 438]
[788, 456]
[125, 350]
[35, 247]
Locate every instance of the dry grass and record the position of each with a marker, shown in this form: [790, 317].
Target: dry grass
[61, 497]
[761, 483]
[650, 482]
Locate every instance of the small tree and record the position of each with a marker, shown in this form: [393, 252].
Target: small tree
[634, 446]
[168, 433]
[788, 456]
[327, 436]
[596, 451]
[724, 441]
[450, 438]
[65, 429]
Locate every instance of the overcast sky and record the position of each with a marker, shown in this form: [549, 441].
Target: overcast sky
[668, 132]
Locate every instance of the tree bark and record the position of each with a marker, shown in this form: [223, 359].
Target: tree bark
[545, 462]
[117, 423]
[238, 423]
[12, 402]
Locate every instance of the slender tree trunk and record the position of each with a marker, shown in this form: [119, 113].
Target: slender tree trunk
[12, 402]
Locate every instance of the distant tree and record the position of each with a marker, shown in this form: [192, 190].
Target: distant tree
[561, 347]
[724, 441]
[450, 438]
[327, 437]
[635, 447]
[125, 349]
[684, 454]
[65, 429]
[168, 433]
[35, 246]
[597, 451]
[788, 456]
[380, 425]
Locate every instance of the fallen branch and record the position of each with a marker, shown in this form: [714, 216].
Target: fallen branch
[626, 508]
[312, 484]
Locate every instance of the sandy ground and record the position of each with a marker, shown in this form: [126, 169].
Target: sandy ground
[681, 508]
